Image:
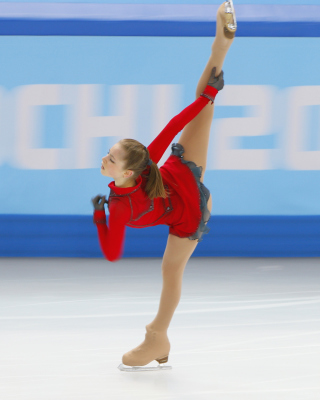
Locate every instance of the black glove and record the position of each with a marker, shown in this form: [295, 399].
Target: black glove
[216, 82]
[98, 202]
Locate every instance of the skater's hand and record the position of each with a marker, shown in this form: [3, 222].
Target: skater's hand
[216, 82]
[98, 202]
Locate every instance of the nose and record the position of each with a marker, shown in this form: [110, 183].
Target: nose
[104, 159]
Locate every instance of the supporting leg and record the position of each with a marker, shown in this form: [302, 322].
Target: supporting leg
[156, 345]
[177, 253]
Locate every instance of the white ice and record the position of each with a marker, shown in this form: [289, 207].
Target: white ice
[245, 329]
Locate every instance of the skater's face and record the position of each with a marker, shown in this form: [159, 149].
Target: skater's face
[113, 163]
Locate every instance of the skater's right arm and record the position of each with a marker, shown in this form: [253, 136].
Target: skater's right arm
[111, 238]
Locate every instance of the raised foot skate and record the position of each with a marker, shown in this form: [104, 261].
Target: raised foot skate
[230, 19]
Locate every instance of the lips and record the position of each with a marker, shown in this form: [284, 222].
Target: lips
[102, 167]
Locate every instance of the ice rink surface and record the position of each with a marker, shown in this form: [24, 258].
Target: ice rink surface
[245, 329]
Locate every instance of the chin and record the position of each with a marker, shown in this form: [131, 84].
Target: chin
[103, 172]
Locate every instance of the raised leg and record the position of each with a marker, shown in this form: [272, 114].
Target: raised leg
[219, 49]
[195, 136]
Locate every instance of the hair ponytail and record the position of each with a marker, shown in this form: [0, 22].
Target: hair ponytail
[137, 161]
[154, 187]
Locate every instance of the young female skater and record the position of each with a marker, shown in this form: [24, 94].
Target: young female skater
[142, 195]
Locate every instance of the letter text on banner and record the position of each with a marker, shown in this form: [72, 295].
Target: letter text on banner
[2, 128]
[258, 99]
[29, 126]
[297, 157]
[82, 125]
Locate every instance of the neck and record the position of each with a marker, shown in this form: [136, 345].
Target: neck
[125, 184]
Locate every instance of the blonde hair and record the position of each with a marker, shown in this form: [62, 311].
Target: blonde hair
[137, 161]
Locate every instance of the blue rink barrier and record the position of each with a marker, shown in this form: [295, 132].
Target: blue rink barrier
[153, 28]
[81, 19]
[229, 236]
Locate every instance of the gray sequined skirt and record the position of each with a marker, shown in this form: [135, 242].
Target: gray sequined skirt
[204, 193]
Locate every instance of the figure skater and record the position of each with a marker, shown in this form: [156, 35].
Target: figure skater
[142, 195]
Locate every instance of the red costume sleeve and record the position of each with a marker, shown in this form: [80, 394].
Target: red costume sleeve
[165, 137]
[111, 238]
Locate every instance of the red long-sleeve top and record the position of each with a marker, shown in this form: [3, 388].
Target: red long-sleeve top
[131, 206]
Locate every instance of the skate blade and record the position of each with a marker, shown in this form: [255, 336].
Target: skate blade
[159, 367]
[231, 15]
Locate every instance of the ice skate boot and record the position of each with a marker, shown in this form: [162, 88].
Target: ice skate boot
[230, 25]
[155, 347]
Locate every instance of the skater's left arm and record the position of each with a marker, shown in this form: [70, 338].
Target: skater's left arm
[111, 238]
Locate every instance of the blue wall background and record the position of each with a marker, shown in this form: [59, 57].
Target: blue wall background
[62, 108]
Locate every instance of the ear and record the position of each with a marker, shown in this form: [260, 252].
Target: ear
[128, 173]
